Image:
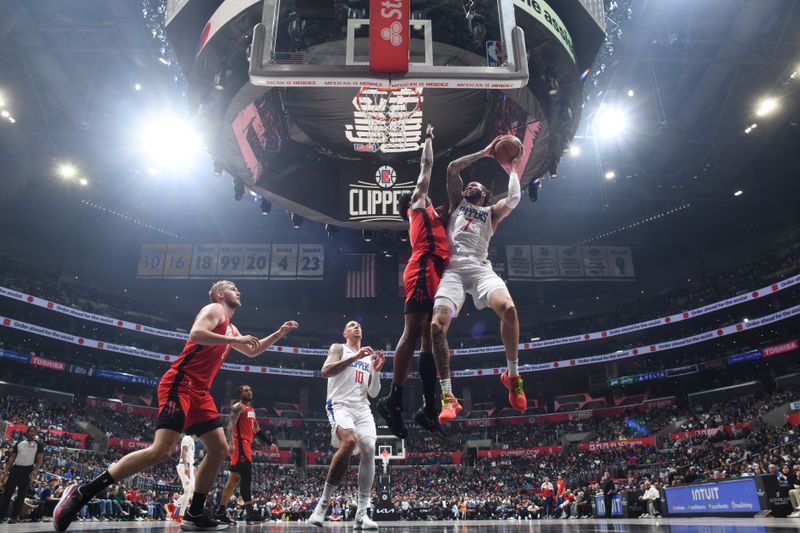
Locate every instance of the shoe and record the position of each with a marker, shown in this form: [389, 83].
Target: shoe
[67, 508]
[200, 522]
[450, 408]
[252, 519]
[516, 395]
[795, 514]
[223, 518]
[363, 521]
[427, 423]
[393, 417]
[317, 518]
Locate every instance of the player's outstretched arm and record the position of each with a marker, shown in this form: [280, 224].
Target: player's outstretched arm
[252, 350]
[420, 197]
[503, 208]
[455, 185]
[207, 320]
[335, 363]
[375, 373]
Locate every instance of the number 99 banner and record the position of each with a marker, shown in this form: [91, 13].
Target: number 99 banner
[231, 261]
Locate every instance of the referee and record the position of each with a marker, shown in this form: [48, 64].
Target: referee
[26, 459]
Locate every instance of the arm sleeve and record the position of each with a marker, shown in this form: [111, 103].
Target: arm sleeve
[514, 193]
[374, 384]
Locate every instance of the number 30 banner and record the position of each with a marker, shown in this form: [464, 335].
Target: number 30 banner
[231, 261]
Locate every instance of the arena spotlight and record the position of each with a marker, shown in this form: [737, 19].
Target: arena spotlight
[169, 142]
[331, 230]
[631, 93]
[610, 175]
[266, 206]
[367, 235]
[238, 189]
[137, 87]
[766, 107]
[574, 150]
[67, 170]
[217, 168]
[738, 193]
[533, 189]
[83, 181]
[297, 220]
[610, 121]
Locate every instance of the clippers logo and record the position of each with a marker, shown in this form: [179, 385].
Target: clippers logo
[385, 177]
[392, 34]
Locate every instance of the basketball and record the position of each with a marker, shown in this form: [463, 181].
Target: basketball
[507, 148]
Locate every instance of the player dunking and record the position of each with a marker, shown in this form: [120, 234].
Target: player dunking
[352, 372]
[429, 256]
[185, 405]
[242, 427]
[472, 224]
[185, 469]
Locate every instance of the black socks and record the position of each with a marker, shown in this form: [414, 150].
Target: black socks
[198, 503]
[427, 374]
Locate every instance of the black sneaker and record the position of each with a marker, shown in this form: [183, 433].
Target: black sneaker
[200, 522]
[253, 518]
[393, 418]
[223, 518]
[430, 424]
[67, 508]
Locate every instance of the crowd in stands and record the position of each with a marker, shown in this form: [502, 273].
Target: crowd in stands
[480, 487]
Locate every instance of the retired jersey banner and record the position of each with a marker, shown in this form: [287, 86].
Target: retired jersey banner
[573, 263]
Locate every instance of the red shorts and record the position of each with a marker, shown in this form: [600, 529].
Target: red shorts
[185, 409]
[242, 451]
[420, 280]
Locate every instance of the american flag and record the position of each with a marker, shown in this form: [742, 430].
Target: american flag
[290, 58]
[361, 283]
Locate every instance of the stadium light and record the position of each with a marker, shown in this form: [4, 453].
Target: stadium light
[67, 170]
[84, 182]
[631, 93]
[138, 87]
[574, 150]
[5, 113]
[610, 175]
[766, 107]
[170, 142]
[297, 220]
[610, 121]
[738, 193]
[266, 206]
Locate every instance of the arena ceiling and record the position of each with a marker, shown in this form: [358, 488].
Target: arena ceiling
[696, 69]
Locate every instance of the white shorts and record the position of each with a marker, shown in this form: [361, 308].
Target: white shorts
[474, 277]
[357, 418]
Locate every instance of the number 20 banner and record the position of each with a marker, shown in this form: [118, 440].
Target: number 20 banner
[231, 261]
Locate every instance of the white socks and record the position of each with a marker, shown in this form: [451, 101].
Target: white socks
[327, 494]
[513, 371]
[446, 386]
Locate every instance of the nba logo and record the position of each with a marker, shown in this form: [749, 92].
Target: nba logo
[385, 177]
[494, 53]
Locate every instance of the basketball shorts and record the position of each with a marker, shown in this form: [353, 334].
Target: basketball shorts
[242, 452]
[420, 281]
[243, 467]
[356, 418]
[461, 277]
[185, 409]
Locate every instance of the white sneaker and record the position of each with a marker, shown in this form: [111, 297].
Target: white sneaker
[317, 518]
[795, 514]
[363, 521]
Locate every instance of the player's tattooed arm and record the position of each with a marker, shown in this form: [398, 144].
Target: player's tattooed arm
[236, 410]
[455, 185]
[420, 196]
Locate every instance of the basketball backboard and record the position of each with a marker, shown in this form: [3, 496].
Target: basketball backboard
[442, 44]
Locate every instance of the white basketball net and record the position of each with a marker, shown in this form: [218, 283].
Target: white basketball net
[389, 120]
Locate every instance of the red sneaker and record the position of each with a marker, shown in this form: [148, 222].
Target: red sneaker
[450, 408]
[516, 395]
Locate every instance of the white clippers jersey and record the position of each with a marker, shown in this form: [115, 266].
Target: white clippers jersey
[469, 231]
[188, 441]
[350, 385]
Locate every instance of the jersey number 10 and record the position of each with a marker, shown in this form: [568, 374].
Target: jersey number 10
[359, 376]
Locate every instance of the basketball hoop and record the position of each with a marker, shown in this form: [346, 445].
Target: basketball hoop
[389, 112]
[385, 454]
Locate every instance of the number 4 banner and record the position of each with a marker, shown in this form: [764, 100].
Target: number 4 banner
[284, 261]
[310, 261]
